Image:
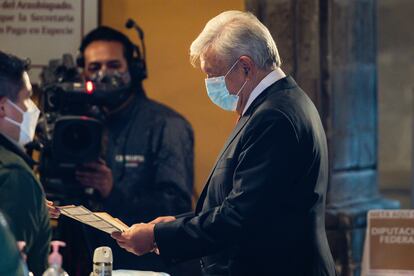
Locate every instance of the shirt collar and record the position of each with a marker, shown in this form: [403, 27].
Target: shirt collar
[11, 145]
[267, 81]
[12, 141]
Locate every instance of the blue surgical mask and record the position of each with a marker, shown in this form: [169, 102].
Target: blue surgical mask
[219, 94]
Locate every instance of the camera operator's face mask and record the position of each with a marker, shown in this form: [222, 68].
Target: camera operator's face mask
[121, 82]
[28, 125]
[112, 77]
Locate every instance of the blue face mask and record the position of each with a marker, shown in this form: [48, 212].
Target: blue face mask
[219, 94]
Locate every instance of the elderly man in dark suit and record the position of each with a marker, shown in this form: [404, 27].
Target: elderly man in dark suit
[262, 209]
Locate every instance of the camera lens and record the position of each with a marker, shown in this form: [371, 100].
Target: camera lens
[76, 137]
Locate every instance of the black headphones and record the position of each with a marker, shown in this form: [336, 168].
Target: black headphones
[136, 62]
[138, 65]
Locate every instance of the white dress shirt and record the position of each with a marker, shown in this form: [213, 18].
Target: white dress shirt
[267, 81]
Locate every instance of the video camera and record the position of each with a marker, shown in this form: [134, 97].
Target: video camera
[71, 128]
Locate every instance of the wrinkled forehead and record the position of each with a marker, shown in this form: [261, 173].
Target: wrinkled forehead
[103, 51]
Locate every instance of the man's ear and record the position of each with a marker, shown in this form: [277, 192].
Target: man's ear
[247, 64]
[2, 106]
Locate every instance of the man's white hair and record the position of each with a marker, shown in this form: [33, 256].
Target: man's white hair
[232, 34]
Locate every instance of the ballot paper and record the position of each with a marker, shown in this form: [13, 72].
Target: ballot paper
[99, 220]
[124, 272]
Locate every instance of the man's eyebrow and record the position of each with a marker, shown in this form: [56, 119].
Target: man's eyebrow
[94, 62]
[105, 62]
[112, 62]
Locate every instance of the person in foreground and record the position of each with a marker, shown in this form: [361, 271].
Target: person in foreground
[21, 195]
[262, 209]
[11, 262]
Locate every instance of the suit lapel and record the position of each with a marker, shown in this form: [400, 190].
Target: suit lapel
[284, 83]
[239, 126]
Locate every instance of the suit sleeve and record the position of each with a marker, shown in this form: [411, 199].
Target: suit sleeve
[268, 147]
[23, 202]
[171, 178]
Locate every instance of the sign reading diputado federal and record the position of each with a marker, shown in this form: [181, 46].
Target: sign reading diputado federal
[389, 243]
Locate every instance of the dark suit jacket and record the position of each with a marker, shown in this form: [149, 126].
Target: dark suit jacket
[22, 201]
[262, 209]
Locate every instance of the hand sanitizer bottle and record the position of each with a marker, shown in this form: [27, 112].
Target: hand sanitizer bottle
[102, 261]
[55, 261]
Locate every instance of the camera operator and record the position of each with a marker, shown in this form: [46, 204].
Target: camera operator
[21, 195]
[148, 167]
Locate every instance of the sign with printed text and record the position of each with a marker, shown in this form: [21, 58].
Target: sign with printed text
[389, 243]
[45, 29]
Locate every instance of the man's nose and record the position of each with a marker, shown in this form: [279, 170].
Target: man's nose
[103, 70]
[106, 70]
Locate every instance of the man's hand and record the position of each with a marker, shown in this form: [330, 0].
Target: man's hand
[54, 212]
[162, 219]
[138, 239]
[98, 176]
